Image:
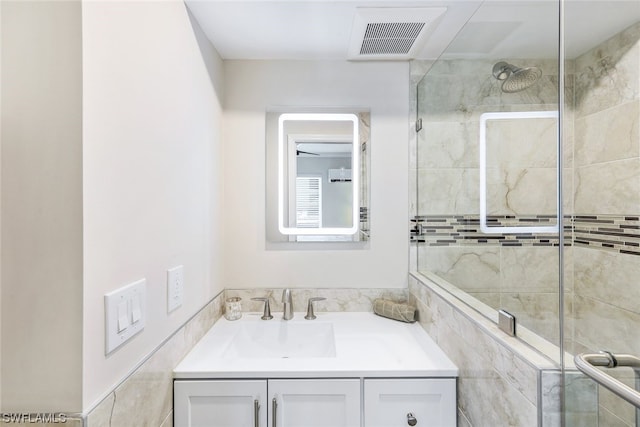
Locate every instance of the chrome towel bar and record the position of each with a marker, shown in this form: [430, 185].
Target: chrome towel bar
[587, 362]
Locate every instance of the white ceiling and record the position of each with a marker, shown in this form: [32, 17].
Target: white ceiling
[320, 30]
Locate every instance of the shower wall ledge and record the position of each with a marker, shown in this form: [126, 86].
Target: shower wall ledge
[537, 351]
[496, 370]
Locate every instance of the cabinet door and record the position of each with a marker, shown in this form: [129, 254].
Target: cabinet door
[431, 402]
[314, 403]
[220, 403]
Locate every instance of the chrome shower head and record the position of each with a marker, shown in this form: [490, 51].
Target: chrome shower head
[515, 79]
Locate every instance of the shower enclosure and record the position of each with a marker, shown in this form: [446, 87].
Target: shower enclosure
[486, 169]
[527, 180]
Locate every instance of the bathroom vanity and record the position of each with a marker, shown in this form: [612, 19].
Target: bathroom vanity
[341, 369]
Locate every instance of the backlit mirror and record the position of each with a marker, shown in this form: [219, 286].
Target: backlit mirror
[317, 164]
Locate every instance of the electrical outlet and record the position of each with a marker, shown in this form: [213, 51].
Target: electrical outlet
[175, 287]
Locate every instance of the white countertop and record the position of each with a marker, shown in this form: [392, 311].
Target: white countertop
[366, 345]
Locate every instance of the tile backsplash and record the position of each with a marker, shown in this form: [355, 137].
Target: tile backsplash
[339, 299]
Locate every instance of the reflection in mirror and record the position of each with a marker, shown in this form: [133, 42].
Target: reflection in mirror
[306, 209]
[319, 164]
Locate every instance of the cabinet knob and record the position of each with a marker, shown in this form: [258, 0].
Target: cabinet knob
[411, 420]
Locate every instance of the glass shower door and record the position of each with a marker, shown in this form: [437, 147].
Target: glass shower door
[602, 148]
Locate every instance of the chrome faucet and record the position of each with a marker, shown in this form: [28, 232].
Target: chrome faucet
[287, 313]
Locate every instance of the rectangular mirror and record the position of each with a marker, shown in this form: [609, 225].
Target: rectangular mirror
[319, 164]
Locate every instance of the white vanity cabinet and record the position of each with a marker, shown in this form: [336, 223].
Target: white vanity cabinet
[290, 403]
[410, 401]
[340, 370]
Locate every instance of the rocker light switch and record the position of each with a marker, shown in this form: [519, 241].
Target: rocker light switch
[136, 313]
[123, 318]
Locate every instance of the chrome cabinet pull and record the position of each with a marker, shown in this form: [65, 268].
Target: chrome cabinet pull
[411, 420]
[274, 408]
[256, 410]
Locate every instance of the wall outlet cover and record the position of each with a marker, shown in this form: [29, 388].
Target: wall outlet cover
[175, 287]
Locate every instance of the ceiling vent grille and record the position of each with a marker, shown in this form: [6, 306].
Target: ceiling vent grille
[394, 38]
[391, 33]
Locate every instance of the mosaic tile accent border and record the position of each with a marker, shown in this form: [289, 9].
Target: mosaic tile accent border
[618, 233]
[364, 222]
[455, 230]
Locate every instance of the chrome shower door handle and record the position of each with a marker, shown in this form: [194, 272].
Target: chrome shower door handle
[274, 409]
[587, 364]
[256, 411]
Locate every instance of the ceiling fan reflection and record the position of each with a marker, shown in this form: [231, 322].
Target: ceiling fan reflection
[298, 152]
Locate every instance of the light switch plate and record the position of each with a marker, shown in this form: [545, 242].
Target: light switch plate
[175, 287]
[124, 314]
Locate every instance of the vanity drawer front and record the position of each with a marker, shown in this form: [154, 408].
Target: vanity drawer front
[220, 403]
[400, 402]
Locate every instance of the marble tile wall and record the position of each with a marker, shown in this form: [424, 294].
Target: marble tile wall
[507, 367]
[581, 400]
[145, 398]
[521, 156]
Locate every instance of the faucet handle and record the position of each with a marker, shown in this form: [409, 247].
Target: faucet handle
[266, 315]
[310, 314]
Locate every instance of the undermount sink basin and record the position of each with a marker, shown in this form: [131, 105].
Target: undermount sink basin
[282, 339]
[335, 345]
